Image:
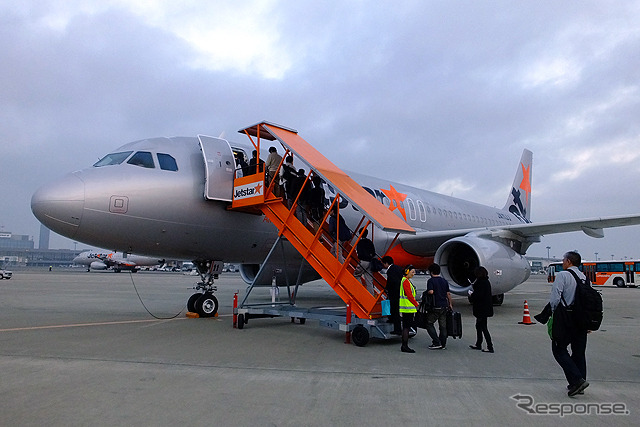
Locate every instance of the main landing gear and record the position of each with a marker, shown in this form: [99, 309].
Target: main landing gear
[205, 303]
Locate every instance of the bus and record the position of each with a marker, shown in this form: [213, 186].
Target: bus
[615, 273]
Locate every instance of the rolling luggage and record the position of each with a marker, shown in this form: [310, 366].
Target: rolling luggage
[454, 324]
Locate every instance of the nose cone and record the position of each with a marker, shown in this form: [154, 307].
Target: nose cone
[59, 205]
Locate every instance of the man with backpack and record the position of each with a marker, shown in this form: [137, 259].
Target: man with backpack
[566, 331]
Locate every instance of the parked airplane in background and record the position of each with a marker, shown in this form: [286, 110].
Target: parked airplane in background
[116, 260]
[168, 197]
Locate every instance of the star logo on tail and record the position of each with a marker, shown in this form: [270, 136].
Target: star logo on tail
[526, 180]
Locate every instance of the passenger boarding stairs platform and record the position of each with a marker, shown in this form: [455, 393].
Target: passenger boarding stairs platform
[336, 264]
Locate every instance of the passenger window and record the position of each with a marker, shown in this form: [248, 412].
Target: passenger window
[142, 158]
[421, 211]
[112, 159]
[167, 162]
[412, 209]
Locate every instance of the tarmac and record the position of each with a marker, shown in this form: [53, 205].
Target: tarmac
[79, 348]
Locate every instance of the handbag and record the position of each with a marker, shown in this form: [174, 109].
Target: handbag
[385, 304]
[428, 301]
[420, 318]
[376, 264]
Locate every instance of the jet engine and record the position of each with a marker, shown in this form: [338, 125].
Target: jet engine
[459, 257]
[97, 265]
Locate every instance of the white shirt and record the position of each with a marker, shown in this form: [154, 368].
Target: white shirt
[564, 285]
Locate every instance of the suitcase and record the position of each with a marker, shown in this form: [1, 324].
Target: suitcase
[454, 324]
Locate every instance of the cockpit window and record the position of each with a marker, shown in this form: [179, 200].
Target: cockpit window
[142, 158]
[167, 162]
[112, 159]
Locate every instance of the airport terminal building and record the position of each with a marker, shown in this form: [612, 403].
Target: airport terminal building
[18, 250]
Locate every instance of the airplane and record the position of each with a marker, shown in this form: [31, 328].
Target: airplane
[169, 197]
[118, 261]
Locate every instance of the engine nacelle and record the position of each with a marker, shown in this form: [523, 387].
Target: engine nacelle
[97, 265]
[459, 257]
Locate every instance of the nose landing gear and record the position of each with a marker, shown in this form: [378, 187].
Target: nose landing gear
[205, 303]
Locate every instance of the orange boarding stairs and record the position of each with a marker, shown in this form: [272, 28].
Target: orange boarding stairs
[314, 242]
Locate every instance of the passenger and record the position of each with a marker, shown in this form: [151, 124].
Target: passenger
[407, 306]
[563, 293]
[394, 279]
[366, 251]
[242, 169]
[301, 185]
[271, 165]
[317, 200]
[338, 225]
[288, 175]
[439, 288]
[254, 162]
[482, 302]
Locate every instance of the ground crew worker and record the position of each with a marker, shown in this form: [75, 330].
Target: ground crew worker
[408, 306]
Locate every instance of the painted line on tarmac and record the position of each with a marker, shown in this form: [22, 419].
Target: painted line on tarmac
[116, 322]
[76, 325]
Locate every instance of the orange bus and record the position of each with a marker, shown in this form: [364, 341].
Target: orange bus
[615, 273]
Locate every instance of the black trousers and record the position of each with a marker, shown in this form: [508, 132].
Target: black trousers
[482, 329]
[395, 313]
[574, 365]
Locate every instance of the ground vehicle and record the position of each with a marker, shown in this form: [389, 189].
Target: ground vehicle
[5, 274]
[618, 273]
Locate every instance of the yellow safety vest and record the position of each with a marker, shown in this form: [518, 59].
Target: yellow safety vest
[405, 303]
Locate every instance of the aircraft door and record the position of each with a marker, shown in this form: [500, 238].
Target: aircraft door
[219, 166]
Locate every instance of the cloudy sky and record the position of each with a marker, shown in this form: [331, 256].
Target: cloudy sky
[437, 94]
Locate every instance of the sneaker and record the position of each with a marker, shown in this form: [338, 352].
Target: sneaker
[475, 347]
[489, 350]
[576, 389]
[580, 392]
[407, 350]
[435, 347]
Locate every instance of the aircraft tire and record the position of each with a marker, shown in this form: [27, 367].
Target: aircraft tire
[498, 299]
[360, 336]
[191, 302]
[207, 305]
[241, 321]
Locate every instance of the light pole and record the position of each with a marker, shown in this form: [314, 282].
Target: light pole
[611, 256]
[548, 249]
[596, 255]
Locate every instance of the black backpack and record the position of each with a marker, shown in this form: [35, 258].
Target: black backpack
[587, 305]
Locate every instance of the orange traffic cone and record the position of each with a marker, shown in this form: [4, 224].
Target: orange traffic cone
[526, 318]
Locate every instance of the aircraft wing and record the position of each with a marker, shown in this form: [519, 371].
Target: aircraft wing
[121, 263]
[593, 227]
[110, 261]
[427, 242]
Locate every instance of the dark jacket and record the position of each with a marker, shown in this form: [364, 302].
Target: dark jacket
[481, 298]
[345, 233]
[394, 278]
[365, 249]
[252, 166]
